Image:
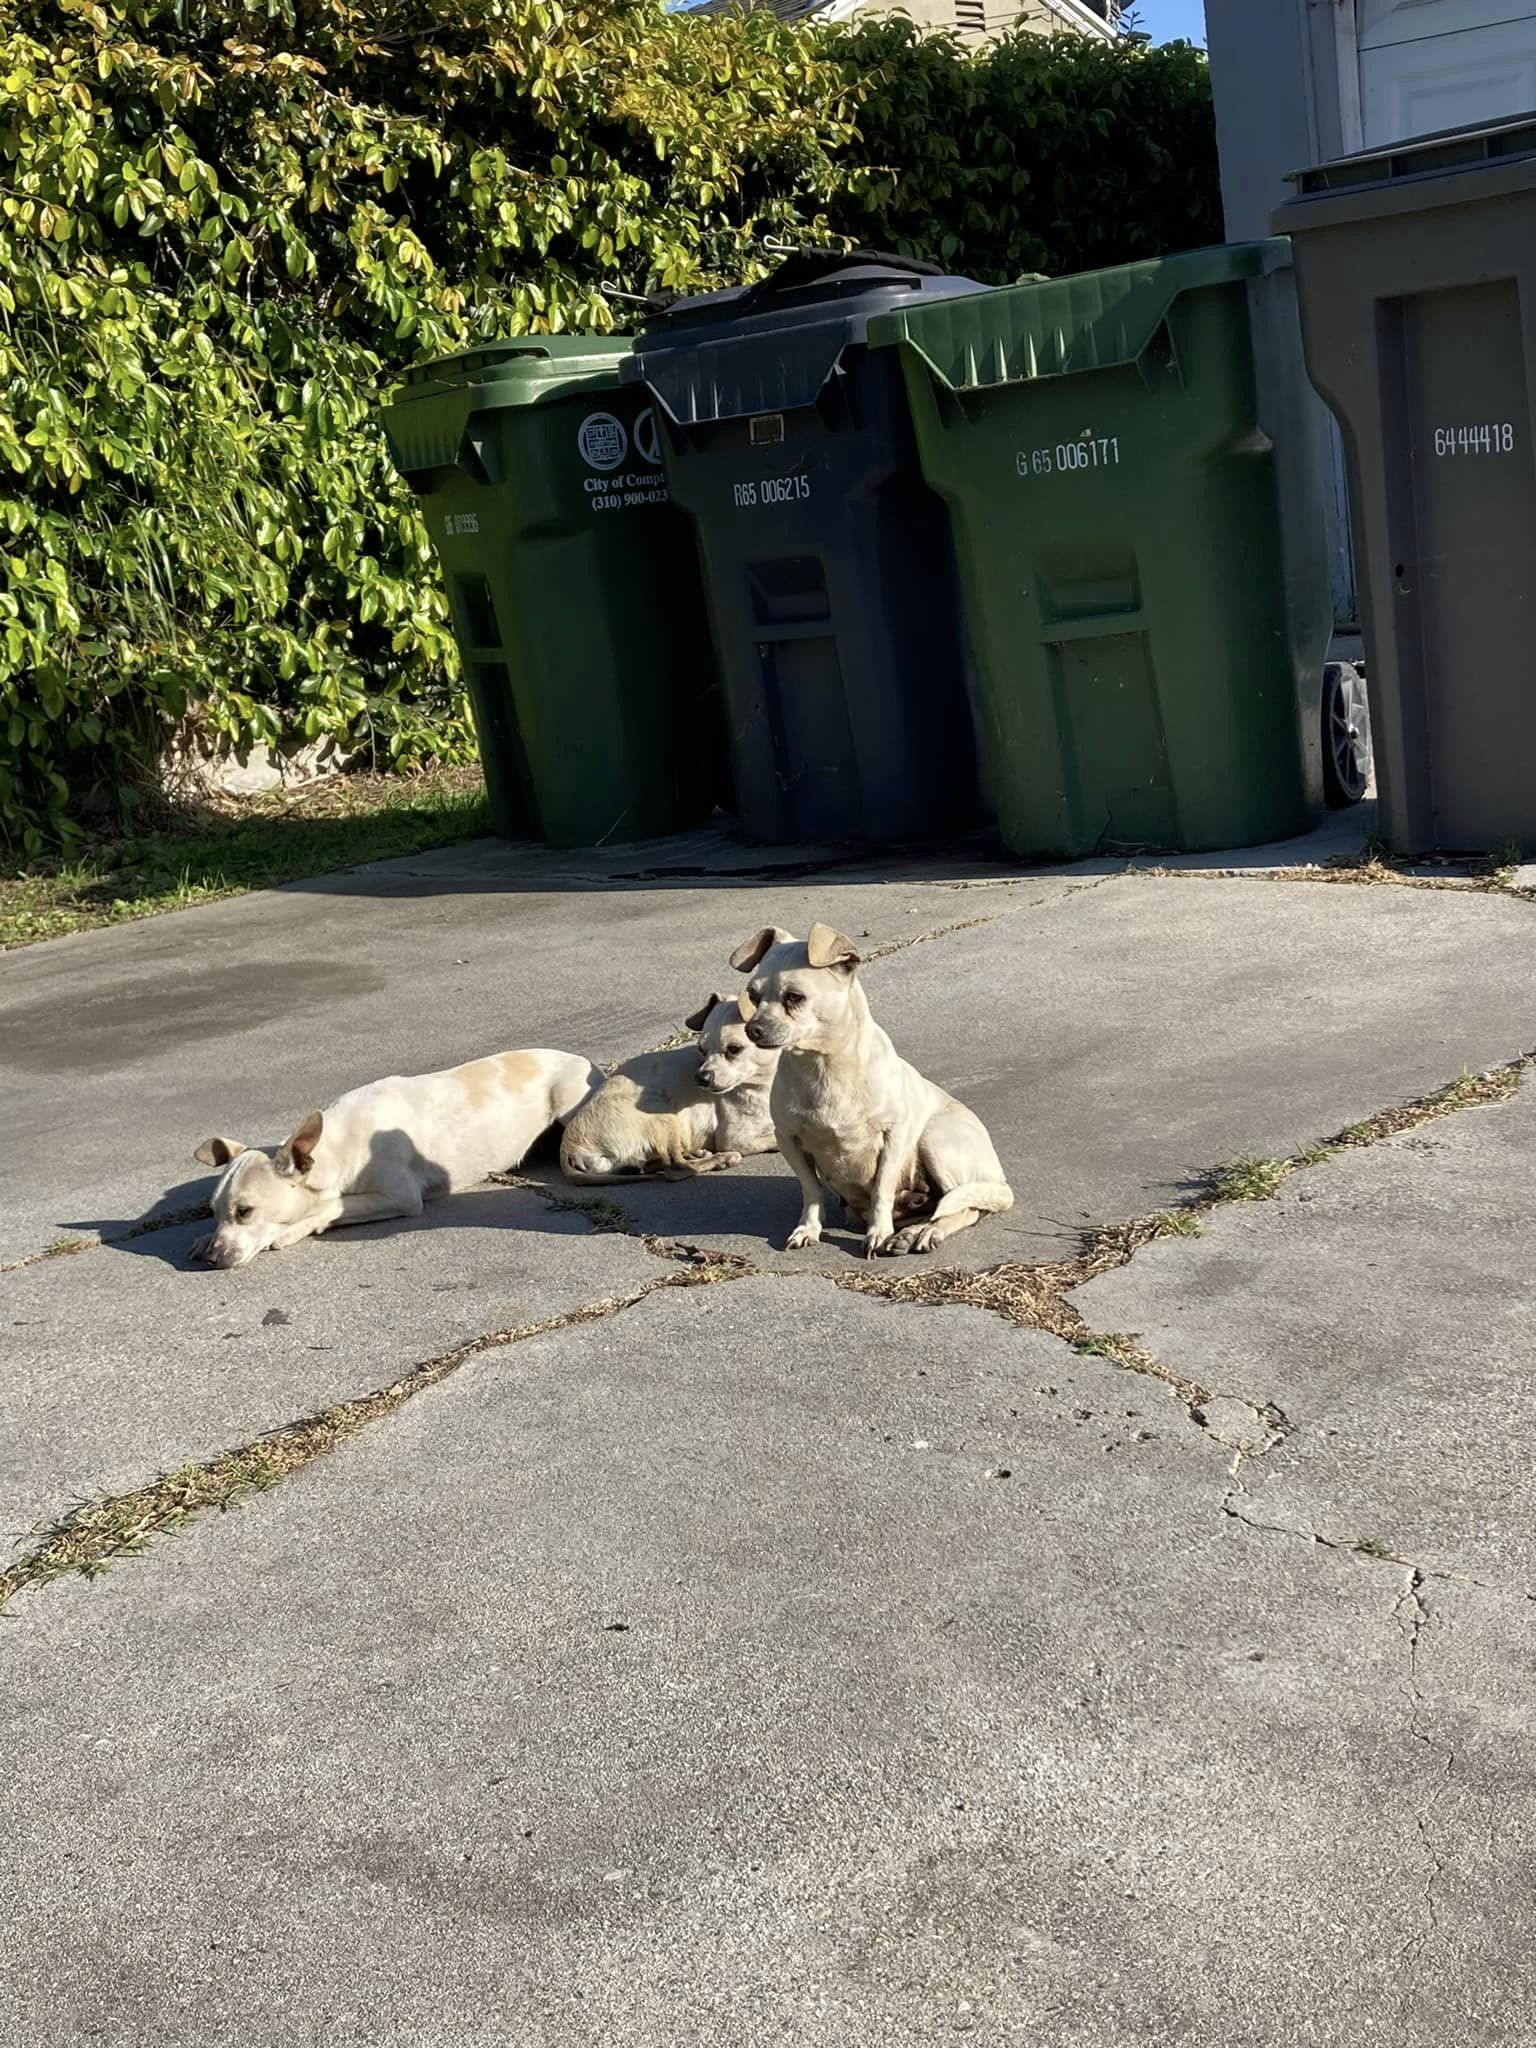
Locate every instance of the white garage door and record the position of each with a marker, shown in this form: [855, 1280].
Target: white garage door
[1427, 64]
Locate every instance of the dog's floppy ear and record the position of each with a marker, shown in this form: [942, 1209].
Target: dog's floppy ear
[750, 951]
[298, 1155]
[701, 1016]
[218, 1151]
[827, 948]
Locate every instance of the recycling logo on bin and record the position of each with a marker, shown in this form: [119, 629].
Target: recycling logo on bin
[602, 441]
[604, 445]
[647, 439]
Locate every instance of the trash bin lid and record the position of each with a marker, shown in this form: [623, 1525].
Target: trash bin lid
[425, 422]
[771, 346]
[528, 370]
[1449, 168]
[1068, 325]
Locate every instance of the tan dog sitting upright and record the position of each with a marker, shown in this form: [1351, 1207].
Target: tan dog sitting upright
[384, 1149]
[677, 1113]
[850, 1114]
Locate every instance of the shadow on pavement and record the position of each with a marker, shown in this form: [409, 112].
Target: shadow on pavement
[712, 858]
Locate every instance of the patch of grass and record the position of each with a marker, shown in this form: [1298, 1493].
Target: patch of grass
[336, 824]
[62, 1247]
[1178, 1223]
[1259, 1180]
[1250, 1180]
[1502, 861]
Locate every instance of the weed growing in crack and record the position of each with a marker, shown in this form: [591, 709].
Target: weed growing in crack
[1128, 1352]
[599, 1211]
[1468, 1091]
[604, 1215]
[1179, 1223]
[1034, 1296]
[1250, 1180]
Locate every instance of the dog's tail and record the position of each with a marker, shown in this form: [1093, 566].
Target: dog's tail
[989, 1197]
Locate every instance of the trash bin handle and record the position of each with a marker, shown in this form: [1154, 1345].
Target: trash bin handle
[1160, 351]
[472, 458]
[809, 266]
[475, 458]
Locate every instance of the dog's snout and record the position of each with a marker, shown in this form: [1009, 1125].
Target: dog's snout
[757, 1031]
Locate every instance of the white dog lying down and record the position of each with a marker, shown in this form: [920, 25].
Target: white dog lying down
[384, 1149]
[849, 1112]
[680, 1112]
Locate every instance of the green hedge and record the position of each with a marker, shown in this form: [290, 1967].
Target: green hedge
[1040, 153]
[226, 228]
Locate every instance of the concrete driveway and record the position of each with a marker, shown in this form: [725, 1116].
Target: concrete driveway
[642, 1635]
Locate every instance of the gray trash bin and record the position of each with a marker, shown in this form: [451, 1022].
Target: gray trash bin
[1416, 272]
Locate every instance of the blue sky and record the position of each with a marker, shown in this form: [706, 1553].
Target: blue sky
[1165, 21]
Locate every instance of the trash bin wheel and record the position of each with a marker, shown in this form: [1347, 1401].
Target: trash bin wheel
[1346, 721]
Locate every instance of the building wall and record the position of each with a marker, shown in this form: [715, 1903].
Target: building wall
[978, 22]
[1275, 79]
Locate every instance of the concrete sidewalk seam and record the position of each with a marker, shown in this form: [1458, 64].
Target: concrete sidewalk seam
[71, 1247]
[1357, 871]
[91, 1535]
[682, 1036]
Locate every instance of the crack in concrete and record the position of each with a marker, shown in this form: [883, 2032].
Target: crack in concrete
[92, 1535]
[1363, 872]
[682, 1036]
[1364, 1547]
[1412, 1598]
[167, 1220]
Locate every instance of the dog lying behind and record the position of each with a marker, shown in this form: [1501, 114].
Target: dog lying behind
[384, 1149]
[677, 1113]
[850, 1114]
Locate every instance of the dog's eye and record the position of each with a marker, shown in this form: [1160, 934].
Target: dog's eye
[733, 1052]
[793, 1000]
[244, 1213]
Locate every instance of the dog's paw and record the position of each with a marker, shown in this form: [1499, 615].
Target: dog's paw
[917, 1237]
[802, 1237]
[876, 1242]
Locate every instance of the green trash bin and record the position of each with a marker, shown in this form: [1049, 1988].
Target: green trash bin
[574, 586]
[1141, 546]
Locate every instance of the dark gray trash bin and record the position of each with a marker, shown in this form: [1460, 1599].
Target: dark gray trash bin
[1416, 272]
[828, 562]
